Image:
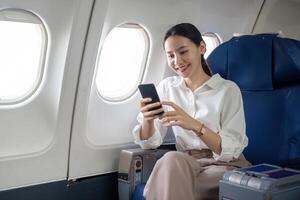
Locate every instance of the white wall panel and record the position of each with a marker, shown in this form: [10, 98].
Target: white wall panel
[280, 16]
[35, 134]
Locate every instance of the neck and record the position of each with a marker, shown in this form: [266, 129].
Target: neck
[196, 80]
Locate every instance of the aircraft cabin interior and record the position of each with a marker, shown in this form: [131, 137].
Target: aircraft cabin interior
[70, 72]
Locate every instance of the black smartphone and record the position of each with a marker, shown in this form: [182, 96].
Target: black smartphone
[149, 91]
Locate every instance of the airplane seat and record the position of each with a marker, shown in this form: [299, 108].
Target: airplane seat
[267, 70]
[135, 166]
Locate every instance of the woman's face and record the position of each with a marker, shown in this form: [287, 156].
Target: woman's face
[183, 56]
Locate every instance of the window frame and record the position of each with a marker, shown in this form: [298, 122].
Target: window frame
[143, 64]
[28, 17]
[213, 35]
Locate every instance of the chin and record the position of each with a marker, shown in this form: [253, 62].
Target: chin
[186, 74]
[183, 75]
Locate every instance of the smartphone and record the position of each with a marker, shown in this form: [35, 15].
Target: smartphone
[149, 91]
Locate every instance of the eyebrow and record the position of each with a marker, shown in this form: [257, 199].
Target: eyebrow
[178, 49]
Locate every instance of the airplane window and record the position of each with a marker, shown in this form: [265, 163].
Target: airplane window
[212, 41]
[22, 39]
[122, 62]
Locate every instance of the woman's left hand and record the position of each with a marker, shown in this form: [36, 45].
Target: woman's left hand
[177, 117]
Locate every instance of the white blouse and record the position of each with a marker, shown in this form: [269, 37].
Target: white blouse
[217, 103]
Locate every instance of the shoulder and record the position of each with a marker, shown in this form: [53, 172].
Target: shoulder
[228, 86]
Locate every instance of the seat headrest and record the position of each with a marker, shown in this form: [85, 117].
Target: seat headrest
[257, 62]
[286, 56]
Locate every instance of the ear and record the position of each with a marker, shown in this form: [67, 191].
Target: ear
[202, 47]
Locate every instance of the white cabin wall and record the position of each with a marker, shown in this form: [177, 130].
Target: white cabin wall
[35, 134]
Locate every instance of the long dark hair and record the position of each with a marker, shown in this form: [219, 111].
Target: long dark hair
[191, 32]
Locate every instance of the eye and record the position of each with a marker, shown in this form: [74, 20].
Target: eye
[170, 55]
[183, 52]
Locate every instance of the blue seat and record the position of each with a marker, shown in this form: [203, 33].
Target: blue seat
[138, 192]
[267, 70]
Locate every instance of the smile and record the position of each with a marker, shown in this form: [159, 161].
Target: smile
[182, 69]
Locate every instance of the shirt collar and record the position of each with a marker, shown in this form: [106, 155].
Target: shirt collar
[213, 82]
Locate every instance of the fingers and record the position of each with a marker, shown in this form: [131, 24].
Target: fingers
[150, 110]
[149, 107]
[153, 113]
[169, 103]
[146, 105]
[169, 114]
[144, 101]
[171, 123]
[169, 119]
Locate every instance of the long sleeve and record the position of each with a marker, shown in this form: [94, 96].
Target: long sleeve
[233, 128]
[160, 131]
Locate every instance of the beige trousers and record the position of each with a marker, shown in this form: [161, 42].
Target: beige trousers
[191, 175]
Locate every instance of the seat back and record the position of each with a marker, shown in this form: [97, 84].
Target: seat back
[267, 70]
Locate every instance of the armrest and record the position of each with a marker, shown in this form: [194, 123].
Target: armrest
[135, 167]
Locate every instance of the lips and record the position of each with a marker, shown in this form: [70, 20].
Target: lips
[182, 69]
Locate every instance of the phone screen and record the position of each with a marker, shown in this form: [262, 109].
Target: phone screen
[149, 91]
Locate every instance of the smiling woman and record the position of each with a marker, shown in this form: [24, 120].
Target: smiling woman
[206, 115]
[185, 54]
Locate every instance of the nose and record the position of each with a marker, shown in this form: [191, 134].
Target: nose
[177, 60]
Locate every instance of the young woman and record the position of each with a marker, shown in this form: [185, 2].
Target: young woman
[206, 115]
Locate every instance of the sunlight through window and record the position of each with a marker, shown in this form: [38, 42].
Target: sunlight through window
[21, 50]
[122, 62]
[212, 41]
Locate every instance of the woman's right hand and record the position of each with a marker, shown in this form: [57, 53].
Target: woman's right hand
[150, 115]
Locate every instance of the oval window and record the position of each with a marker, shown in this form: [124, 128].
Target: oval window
[212, 41]
[121, 62]
[22, 50]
